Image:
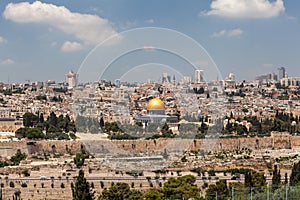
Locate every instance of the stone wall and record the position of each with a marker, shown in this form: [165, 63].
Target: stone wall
[60, 146]
[10, 148]
[280, 141]
[277, 141]
[39, 147]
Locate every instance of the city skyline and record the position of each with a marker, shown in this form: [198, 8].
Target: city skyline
[49, 44]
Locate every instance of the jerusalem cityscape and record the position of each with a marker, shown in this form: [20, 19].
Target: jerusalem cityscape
[136, 100]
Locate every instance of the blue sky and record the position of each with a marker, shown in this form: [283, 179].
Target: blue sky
[44, 40]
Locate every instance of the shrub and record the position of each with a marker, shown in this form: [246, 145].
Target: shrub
[101, 184]
[11, 184]
[23, 185]
[25, 173]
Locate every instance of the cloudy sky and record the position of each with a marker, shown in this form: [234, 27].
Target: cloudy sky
[42, 40]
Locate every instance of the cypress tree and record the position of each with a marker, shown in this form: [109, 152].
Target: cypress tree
[295, 175]
[81, 189]
[276, 179]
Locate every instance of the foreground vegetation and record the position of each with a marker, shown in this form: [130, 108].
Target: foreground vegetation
[254, 186]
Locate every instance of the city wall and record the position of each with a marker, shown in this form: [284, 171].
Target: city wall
[280, 141]
[39, 147]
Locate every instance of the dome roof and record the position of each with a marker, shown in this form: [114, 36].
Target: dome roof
[156, 104]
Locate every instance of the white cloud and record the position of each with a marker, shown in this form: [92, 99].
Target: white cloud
[150, 21]
[7, 62]
[246, 8]
[219, 34]
[2, 40]
[71, 46]
[90, 29]
[228, 33]
[235, 32]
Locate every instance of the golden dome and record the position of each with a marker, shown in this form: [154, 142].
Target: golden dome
[156, 104]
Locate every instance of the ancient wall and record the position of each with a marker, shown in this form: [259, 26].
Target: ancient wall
[10, 148]
[280, 141]
[57, 146]
[274, 142]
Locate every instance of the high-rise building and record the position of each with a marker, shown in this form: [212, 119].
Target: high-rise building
[118, 83]
[166, 79]
[281, 73]
[273, 77]
[231, 77]
[199, 76]
[72, 79]
[174, 80]
[187, 80]
[230, 80]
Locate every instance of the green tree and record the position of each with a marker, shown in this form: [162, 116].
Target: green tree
[118, 191]
[52, 129]
[81, 189]
[182, 187]
[34, 133]
[17, 195]
[52, 119]
[276, 179]
[72, 136]
[61, 122]
[41, 118]
[80, 158]
[101, 122]
[11, 184]
[16, 159]
[254, 179]
[220, 189]
[203, 128]
[29, 119]
[21, 133]
[153, 195]
[67, 124]
[71, 127]
[286, 181]
[135, 195]
[248, 179]
[241, 129]
[166, 132]
[295, 175]
[111, 127]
